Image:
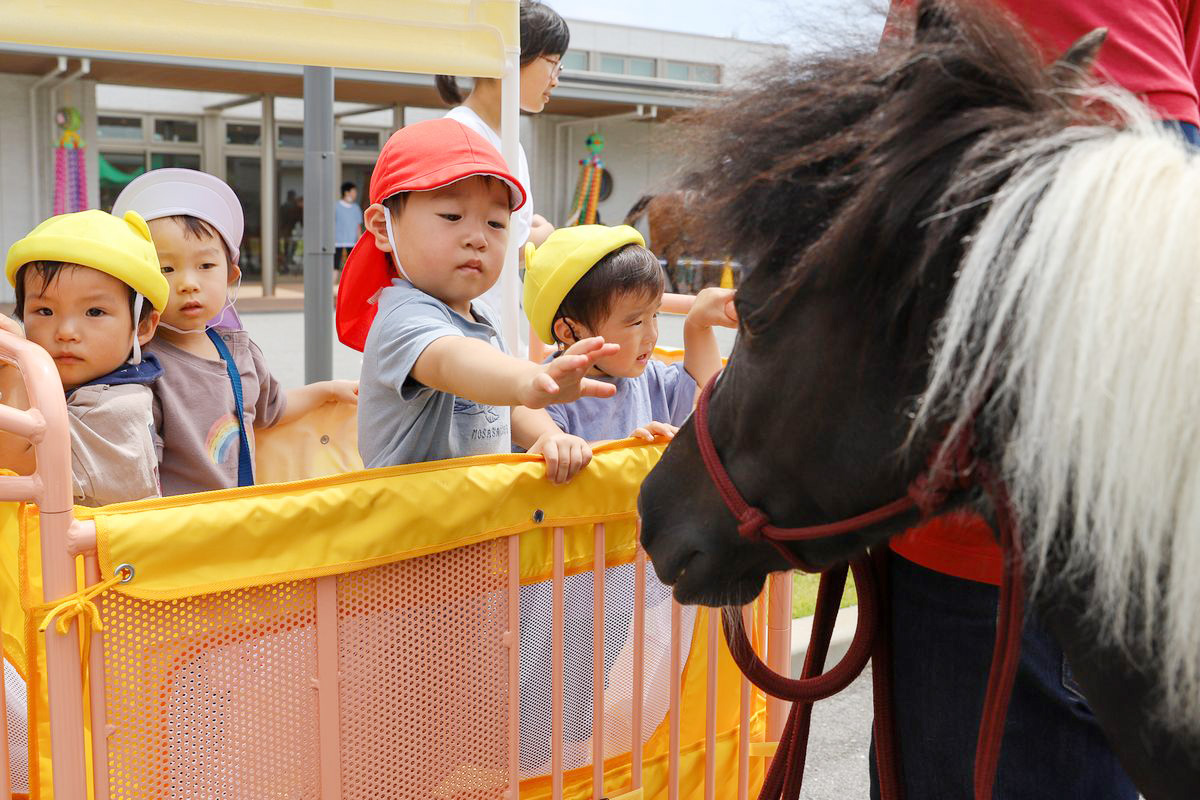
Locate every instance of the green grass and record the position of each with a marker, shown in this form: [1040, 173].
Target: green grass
[804, 594]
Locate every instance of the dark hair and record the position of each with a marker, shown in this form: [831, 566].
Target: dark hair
[629, 270]
[543, 33]
[348, 185]
[48, 271]
[196, 228]
[395, 204]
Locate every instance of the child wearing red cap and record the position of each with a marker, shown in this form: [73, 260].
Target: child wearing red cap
[437, 381]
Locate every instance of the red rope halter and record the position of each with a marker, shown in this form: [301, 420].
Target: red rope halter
[955, 469]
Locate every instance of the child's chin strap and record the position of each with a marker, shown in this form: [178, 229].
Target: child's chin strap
[138, 301]
[387, 221]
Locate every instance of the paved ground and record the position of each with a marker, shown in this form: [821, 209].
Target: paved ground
[837, 750]
[280, 334]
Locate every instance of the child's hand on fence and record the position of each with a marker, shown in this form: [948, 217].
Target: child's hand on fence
[565, 455]
[713, 307]
[656, 430]
[563, 381]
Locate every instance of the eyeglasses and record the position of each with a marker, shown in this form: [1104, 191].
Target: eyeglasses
[555, 64]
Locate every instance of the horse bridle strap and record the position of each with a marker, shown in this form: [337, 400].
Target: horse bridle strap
[925, 494]
[954, 468]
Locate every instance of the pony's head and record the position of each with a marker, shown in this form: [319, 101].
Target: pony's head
[839, 182]
[949, 236]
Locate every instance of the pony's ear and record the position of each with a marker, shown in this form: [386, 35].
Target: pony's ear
[935, 22]
[1079, 58]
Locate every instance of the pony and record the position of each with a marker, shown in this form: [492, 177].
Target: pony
[948, 238]
[675, 233]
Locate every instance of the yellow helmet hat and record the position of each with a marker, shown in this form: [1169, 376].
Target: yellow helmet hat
[552, 270]
[119, 246]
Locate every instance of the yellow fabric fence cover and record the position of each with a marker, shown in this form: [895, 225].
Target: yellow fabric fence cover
[195, 545]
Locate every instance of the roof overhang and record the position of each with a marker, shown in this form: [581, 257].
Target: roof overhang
[578, 94]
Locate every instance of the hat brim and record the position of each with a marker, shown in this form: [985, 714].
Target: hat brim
[367, 270]
[448, 176]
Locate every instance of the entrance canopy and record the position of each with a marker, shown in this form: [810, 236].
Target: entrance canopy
[463, 37]
[458, 37]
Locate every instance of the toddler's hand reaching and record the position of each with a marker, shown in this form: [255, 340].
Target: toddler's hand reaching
[565, 455]
[713, 306]
[563, 381]
[656, 430]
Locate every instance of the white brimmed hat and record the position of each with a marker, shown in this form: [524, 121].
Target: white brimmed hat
[171, 192]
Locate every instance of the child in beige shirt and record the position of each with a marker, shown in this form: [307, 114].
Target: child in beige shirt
[89, 291]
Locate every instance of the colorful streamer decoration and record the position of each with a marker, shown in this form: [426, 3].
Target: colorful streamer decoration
[70, 166]
[585, 210]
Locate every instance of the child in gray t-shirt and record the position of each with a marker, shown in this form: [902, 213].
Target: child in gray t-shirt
[436, 381]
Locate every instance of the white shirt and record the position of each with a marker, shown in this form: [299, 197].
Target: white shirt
[522, 218]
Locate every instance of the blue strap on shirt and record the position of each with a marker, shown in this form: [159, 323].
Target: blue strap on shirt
[245, 464]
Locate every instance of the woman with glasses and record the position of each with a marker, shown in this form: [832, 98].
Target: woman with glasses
[544, 39]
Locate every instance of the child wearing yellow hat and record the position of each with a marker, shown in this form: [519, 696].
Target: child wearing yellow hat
[595, 280]
[90, 292]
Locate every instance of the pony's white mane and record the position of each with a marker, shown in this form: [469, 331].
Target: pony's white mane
[1076, 314]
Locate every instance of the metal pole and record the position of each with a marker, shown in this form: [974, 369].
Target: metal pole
[510, 284]
[319, 197]
[268, 202]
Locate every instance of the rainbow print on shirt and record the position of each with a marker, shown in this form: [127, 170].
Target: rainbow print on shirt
[223, 439]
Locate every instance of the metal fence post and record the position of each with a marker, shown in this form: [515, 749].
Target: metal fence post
[319, 197]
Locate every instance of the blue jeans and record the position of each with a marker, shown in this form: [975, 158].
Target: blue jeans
[1190, 132]
[943, 629]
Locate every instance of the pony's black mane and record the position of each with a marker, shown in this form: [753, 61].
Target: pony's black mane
[848, 172]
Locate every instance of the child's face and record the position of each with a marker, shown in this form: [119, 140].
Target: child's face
[633, 324]
[82, 319]
[197, 270]
[451, 241]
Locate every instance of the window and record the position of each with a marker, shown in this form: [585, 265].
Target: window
[361, 141]
[120, 128]
[696, 73]
[677, 71]
[181, 160]
[642, 67]
[176, 130]
[291, 136]
[575, 59]
[116, 171]
[627, 65]
[242, 173]
[243, 133]
[614, 64]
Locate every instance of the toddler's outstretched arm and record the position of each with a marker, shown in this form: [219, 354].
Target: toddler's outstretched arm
[304, 399]
[701, 356]
[475, 370]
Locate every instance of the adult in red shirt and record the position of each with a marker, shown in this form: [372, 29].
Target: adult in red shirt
[944, 575]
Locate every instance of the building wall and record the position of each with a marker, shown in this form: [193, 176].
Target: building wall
[635, 153]
[16, 172]
[27, 143]
[736, 57]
